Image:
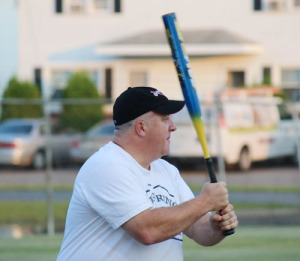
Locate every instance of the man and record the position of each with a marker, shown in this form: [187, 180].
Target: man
[128, 204]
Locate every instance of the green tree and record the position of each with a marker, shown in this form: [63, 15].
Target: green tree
[21, 90]
[76, 116]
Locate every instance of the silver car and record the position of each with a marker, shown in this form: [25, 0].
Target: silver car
[91, 141]
[23, 143]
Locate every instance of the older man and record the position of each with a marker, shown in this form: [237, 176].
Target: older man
[128, 204]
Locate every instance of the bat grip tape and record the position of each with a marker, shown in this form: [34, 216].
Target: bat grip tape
[213, 179]
[211, 171]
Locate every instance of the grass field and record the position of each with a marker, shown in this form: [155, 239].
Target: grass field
[33, 214]
[249, 243]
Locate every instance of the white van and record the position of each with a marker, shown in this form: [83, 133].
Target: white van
[243, 130]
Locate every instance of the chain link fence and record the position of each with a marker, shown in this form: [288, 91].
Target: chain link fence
[55, 145]
[41, 143]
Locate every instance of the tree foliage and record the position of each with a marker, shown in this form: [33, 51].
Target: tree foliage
[81, 116]
[21, 90]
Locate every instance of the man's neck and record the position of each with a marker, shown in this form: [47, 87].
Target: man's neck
[135, 151]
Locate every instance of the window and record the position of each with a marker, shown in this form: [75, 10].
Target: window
[236, 79]
[100, 4]
[275, 5]
[266, 76]
[15, 128]
[108, 83]
[290, 81]
[87, 6]
[290, 78]
[257, 5]
[58, 6]
[60, 78]
[138, 78]
[297, 3]
[270, 5]
[100, 129]
[38, 77]
[284, 112]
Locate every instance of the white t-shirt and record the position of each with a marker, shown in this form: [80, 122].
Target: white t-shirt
[111, 188]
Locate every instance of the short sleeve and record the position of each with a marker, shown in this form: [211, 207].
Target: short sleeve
[184, 192]
[116, 193]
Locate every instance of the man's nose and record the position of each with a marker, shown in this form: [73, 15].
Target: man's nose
[172, 126]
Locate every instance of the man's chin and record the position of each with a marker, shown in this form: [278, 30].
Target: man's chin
[166, 153]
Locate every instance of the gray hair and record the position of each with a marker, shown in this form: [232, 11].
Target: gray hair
[125, 126]
[128, 125]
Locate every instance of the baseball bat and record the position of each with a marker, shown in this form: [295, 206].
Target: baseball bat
[182, 64]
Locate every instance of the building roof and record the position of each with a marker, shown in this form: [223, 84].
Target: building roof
[199, 42]
[201, 36]
[153, 44]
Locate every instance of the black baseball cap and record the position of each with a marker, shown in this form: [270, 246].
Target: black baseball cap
[136, 101]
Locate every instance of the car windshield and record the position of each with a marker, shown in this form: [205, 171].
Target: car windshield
[9, 128]
[101, 130]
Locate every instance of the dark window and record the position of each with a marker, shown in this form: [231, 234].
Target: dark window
[58, 94]
[266, 76]
[58, 6]
[106, 130]
[108, 83]
[38, 78]
[100, 130]
[237, 79]
[15, 129]
[257, 5]
[117, 6]
[284, 113]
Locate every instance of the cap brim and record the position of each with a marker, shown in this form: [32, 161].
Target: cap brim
[170, 107]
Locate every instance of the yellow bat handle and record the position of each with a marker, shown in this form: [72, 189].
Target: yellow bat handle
[198, 124]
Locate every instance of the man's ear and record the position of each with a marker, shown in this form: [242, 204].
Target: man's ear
[140, 128]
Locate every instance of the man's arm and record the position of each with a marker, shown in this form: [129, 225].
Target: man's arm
[156, 225]
[207, 231]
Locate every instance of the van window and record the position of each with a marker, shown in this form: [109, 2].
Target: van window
[265, 115]
[238, 115]
[284, 113]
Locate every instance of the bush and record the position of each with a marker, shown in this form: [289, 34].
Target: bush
[21, 90]
[81, 117]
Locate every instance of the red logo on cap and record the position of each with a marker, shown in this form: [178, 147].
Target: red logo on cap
[156, 93]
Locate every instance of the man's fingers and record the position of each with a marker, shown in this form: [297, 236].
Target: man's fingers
[228, 221]
[227, 209]
[216, 217]
[231, 224]
[228, 215]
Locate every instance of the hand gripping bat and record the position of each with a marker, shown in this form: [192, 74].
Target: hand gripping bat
[182, 64]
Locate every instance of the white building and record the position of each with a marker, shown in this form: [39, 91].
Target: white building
[122, 43]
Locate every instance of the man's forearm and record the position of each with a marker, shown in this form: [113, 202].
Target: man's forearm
[156, 225]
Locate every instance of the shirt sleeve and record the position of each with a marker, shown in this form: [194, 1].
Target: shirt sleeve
[185, 193]
[116, 194]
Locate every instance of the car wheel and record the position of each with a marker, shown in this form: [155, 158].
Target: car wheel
[39, 160]
[245, 161]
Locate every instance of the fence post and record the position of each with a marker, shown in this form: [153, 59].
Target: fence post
[296, 133]
[221, 163]
[48, 172]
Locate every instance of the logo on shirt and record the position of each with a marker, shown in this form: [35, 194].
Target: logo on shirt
[160, 196]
